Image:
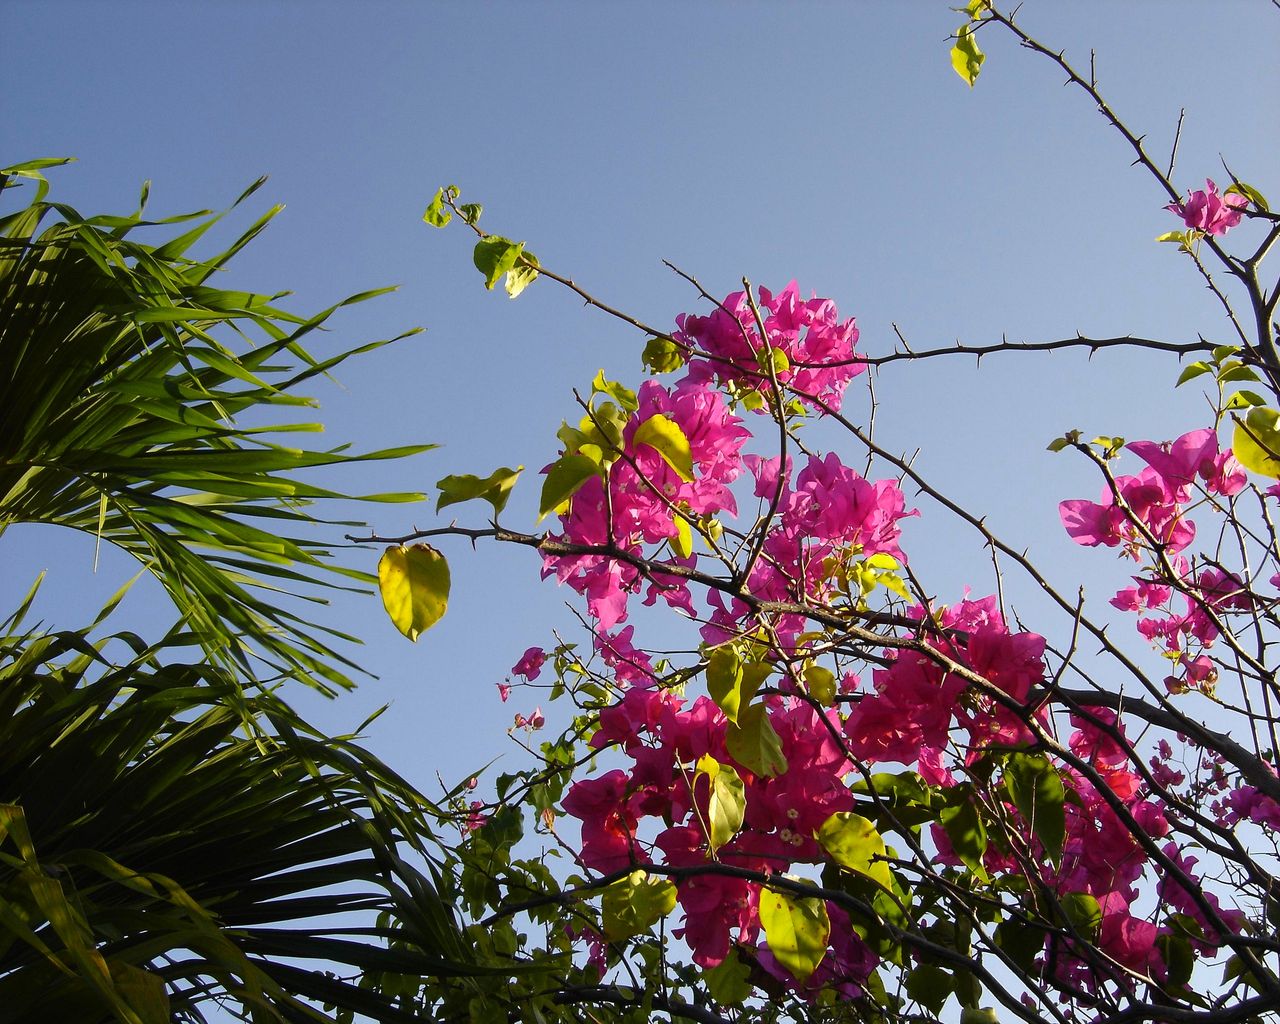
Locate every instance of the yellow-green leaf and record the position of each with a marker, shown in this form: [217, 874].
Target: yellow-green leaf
[565, 477]
[1239, 188]
[631, 905]
[664, 436]
[523, 274]
[754, 744]
[1038, 793]
[662, 355]
[682, 542]
[853, 843]
[821, 683]
[729, 982]
[495, 488]
[438, 214]
[798, 930]
[1256, 441]
[726, 801]
[414, 582]
[494, 256]
[966, 58]
[142, 991]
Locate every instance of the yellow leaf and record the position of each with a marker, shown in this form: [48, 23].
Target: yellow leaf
[1257, 442]
[797, 929]
[414, 582]
[664, 436]
[966, 58]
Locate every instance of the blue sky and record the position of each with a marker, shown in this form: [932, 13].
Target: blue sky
[830, 143]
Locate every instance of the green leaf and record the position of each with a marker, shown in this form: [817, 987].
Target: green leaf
[821, 683]
[1020, 943]
[1235, 968]
[754, 744]
[1179, 959]
[438, 214]
[797, 930]
[523, 274]
[1239, 188]
[142, 991]
[729, 982]
[724, 681]
[564, 479]
[853, 843]
[632, 905]
[470, 213]
[965, 829]
[1192, 371]
[494, 256]
[1245, 399]
[495, 488]
[664, 436]
[1234, 371]
[599, 434]
[1083, 913]
[726, 800]
[966, 58]
[978, 1015]
[414, 582]
[624, 396]
[1038, 793]
[1256, 441]
[930, 986]
[662, 355]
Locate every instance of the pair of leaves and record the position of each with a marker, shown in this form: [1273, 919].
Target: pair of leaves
[495, 256]
[495, 488]
[597, 445]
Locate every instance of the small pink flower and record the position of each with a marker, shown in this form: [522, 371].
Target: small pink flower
[530, 664]
[504, 691]
[536, 720]
[1209, 212]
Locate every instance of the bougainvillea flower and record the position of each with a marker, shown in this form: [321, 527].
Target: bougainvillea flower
[1209, 212]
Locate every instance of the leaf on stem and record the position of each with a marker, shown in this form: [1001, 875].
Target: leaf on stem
[797, 929]
[966, 58]
[495, 488]
[1256, 441]
[664, 436]
[414, 582]
[726, 800]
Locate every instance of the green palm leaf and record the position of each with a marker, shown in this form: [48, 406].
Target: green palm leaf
[117, 418]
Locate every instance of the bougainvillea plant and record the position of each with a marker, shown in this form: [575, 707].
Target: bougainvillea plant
[849, 800]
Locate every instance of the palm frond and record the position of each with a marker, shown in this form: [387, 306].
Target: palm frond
[125, 374]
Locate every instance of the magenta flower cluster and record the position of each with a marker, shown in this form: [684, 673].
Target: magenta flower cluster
[823, 522]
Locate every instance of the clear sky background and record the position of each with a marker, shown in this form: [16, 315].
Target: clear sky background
[828, 142]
